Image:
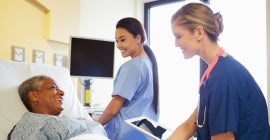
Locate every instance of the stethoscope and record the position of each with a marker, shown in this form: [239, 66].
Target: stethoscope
[204, 77]
[204, 117]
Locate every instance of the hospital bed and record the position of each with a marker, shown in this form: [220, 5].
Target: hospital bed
[13, 73]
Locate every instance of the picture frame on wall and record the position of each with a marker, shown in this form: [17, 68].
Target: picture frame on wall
[60, 60]
[38, 56]
[17, 53]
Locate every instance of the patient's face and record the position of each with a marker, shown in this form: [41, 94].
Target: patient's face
[50, 98]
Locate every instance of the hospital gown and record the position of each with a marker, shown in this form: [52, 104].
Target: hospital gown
[33, 126]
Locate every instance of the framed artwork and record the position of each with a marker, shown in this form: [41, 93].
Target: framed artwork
[17, 53]
[38, 56]
[60, 60]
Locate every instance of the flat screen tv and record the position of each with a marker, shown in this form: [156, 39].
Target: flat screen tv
[91, 57]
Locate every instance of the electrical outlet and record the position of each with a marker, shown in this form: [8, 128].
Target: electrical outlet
[17, 53]
[38, 56]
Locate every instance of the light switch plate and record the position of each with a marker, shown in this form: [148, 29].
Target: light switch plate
[60, 60]
[38, 56]
[17, 53]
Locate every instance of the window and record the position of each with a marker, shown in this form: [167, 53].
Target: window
[244, 37]
[179, 78]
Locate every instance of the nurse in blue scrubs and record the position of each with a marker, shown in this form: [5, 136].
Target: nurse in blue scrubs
[231, 104]
[136, 86]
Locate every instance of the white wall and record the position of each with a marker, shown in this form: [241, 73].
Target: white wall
[98, 20]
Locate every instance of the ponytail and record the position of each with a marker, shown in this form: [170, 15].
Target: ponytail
[153, 60]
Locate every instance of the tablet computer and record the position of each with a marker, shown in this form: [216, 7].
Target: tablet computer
[149, 127]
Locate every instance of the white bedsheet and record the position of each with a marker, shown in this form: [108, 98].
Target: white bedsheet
[89, 137]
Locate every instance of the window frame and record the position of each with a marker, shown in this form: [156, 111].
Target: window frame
[149, 5]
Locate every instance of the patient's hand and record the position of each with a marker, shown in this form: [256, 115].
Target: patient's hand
[95, 118]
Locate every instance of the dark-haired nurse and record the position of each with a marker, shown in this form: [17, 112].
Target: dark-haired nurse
[136, 87]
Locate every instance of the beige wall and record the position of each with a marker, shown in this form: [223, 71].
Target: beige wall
[64, 19]
[47, 25]
[25, 25]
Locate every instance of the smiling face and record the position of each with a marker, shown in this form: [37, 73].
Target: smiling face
[186, 40]
[127, 43]
[48, 99]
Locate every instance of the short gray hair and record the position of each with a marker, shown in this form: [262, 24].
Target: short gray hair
[30, 84]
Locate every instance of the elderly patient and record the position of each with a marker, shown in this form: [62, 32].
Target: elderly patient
[43, 98]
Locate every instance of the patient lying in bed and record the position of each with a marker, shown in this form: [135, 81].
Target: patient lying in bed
[43, 98]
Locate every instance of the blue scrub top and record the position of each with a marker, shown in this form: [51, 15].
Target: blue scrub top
[134, 82]
[233, 102]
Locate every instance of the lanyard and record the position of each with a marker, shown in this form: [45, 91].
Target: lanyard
[211, 66]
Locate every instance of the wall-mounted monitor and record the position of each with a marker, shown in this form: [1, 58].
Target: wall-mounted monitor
[91, 57]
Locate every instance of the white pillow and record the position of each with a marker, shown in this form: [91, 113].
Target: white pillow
[14, 73]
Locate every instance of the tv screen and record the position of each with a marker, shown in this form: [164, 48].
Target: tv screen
[91, 57]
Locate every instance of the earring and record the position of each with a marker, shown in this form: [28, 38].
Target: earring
[198, 38]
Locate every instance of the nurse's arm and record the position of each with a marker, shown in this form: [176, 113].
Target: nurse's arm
[112, 109]
[185, 130]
